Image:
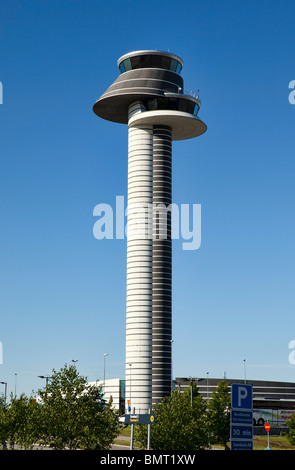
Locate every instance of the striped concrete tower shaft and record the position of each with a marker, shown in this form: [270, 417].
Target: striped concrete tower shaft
[149, 265]
[138, 376]
[162, 264]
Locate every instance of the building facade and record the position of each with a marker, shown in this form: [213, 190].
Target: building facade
[112, 389]
[266, 394]
[272, 401]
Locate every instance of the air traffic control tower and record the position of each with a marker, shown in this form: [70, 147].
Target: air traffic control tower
[148, 96]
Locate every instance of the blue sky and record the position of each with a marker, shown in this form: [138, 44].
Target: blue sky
[63, 291]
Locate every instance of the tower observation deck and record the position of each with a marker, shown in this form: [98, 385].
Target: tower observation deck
[148, 96]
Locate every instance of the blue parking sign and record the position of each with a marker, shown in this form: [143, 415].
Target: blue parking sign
[241, 395]
[241, 435]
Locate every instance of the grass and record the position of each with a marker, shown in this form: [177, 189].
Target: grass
[259, 442]
[121, 442]
[275, 443]
[125, 431]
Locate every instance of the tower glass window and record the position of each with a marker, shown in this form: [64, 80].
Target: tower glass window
[150, 61]
[175, 66]
[125, 66]
[176, 104]
[196, 110]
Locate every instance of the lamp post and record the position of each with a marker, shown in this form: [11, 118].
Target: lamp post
[191, 380]
[244, 360]
[5, 393]
[129, 407]
[45, 377]
[171, 342]
[104, 370]
[74, 361]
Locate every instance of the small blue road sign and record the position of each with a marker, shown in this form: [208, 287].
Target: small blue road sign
[137, 419]
[241, 432]
[241, 445]
[241, 417]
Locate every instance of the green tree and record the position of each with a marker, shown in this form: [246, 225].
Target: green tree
[23, 421]
[179, 423]
[19, 422]
[291, 425]
[218, 415]
[4, 423]
[74, 415]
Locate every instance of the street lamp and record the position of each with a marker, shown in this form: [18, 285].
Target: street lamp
[191, 380]
[5, 393]
[75, 360]
[171, 342]
[45, 377]
[104, 370]
[244, 360]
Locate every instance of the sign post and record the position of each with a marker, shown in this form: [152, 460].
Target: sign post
[267, 428]
[138, 419]
[241, 426]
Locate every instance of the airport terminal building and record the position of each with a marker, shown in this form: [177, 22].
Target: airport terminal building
[267, 395]
[273, 402]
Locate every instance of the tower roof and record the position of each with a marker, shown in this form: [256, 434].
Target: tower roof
[152, 58]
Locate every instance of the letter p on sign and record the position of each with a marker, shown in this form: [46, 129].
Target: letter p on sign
[242, 396]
